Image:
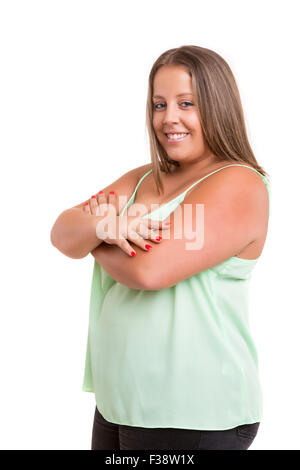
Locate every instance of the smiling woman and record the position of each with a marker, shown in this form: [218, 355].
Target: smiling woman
[176, 122]
[170, 356]
[192, 90]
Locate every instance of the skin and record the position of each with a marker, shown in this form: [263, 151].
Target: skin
[235, 199]
[172, 114]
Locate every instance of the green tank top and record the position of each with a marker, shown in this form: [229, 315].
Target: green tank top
[180, 357]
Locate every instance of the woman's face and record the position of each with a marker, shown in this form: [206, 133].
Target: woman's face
[177, 114]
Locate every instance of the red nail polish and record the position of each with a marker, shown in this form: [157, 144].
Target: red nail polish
[93, 197]
[148, 247]
[111, 192]
[100, 192]
[158, 238]
[86, 203]
[132, 253]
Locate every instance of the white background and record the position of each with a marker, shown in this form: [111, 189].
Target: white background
[73, 87]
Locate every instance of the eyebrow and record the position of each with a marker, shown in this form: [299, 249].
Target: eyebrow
[181, 94]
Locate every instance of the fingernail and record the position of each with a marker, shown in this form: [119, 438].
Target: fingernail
[111, 192]
[168, 223]
[132, 253]
[158, 238]
[148, 247]
[100, 192]
[93, 197]
[86, 203]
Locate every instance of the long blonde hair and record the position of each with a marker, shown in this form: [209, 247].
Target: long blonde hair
[219, 105]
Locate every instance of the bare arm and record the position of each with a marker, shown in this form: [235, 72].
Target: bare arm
[74, 232]
[121, 267]
[235, 203]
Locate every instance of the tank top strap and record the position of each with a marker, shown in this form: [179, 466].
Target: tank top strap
[142, 178]
[133, 194]
[234, 164]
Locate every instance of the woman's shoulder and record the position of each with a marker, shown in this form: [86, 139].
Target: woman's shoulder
[238, 178]
[143, 169]
[133, 176]
[241, 171]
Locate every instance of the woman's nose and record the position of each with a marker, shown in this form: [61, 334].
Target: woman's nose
[171, 114]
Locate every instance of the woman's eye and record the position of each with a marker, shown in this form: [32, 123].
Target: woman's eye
[186, 102]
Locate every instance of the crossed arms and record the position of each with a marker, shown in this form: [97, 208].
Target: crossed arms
[224, 213]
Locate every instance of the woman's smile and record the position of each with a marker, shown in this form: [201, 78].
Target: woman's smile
[176, 138]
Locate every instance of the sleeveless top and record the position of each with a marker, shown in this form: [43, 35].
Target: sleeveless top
[180, 357]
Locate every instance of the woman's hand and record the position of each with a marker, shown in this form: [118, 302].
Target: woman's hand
[114, 229]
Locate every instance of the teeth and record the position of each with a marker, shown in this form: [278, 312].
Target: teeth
[176, 136]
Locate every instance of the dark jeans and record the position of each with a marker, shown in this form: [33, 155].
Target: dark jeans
[110, 436]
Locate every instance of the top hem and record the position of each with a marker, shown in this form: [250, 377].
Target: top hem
[180, 426]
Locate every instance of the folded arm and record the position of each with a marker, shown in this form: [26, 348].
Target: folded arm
[225, 213]
[124, 269]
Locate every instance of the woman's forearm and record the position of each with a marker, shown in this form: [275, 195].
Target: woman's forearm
[121, 267]
[74, 233]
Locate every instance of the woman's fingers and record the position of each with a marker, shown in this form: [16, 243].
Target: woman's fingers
[136, 222]
[125, 246]
[149, 234]
[139, 241]
[93, 205]
[132, 228]
[97, 204]
[149, 227]
[112, 201]
[86, 208]
[102, 201]
[138, 229]
[156, 224]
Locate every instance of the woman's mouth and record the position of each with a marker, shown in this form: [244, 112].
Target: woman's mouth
[175, 138]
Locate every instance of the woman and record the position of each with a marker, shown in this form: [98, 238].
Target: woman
[170, 357]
